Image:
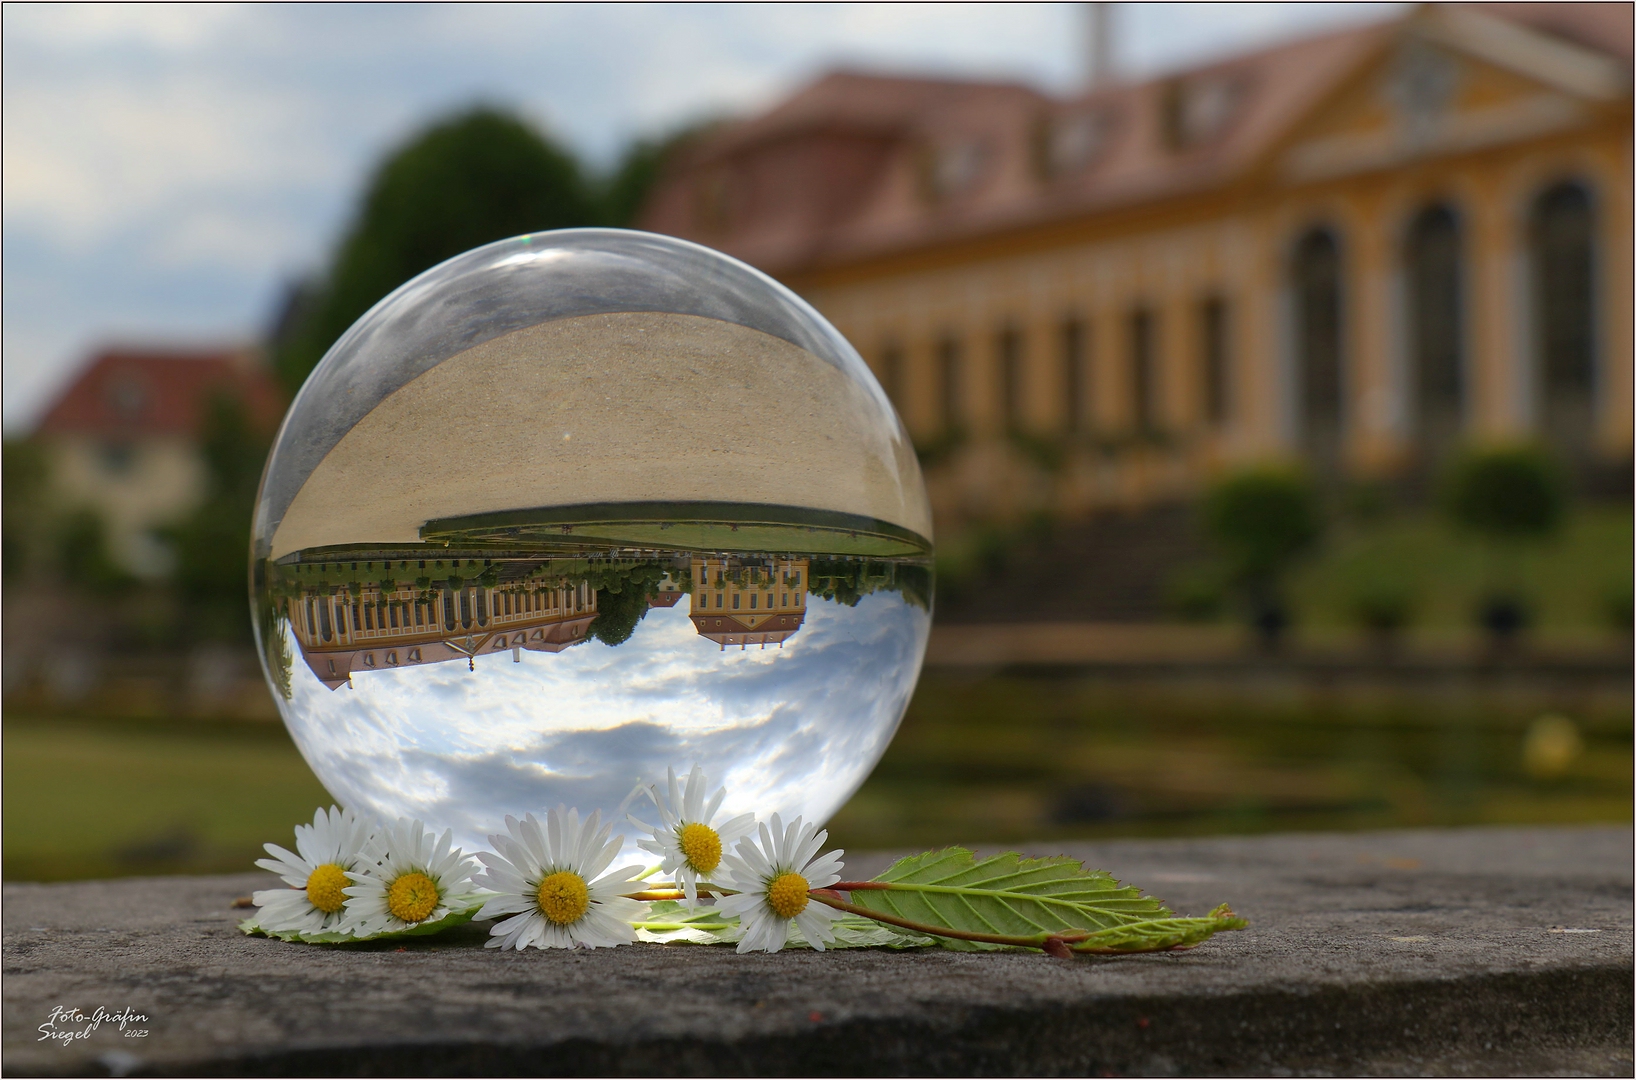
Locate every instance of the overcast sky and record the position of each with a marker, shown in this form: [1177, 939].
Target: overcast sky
[167, 169]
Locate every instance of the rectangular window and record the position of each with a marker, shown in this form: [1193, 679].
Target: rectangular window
[752, 601]
[951, 404]
[783, 599]
[735, 601]
[704, 575]
[1075, 372]
[369, 616]
[1213, 359]
[1009, 347]
[392, 615]
[1143, 394]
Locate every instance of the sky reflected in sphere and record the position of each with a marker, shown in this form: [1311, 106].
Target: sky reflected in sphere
[577, 507]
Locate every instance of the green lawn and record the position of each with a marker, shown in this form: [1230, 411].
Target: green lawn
[97, 799]
[980, 758]
[1569, 581]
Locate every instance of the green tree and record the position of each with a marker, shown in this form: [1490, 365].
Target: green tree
[622, 593]
[462, 183]
[212, 544]
[626, 189]
[22, 489]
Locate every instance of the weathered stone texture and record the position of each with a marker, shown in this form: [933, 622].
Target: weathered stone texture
[1477, 951]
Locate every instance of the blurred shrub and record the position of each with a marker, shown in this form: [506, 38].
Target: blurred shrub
[1197, 593]
[1366, 502]
[941, 447]
[1382, 604]
[1046, 452]
[1262, 519]
[1509, 493]
[22, 491]
[1504, 615]
[1620, 608]
[212, 544]
[83, 556]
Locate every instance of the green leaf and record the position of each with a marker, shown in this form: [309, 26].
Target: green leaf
[1153, 935]
[1011, 896]
[671, 921]
[454, 918]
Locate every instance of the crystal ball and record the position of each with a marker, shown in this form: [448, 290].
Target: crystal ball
[577, 507]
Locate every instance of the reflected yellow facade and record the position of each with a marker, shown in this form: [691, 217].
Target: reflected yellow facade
[744, 603]
[378, 629]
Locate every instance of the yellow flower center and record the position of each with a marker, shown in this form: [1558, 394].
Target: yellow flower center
[564, 897]
[324, 887]
[787, 895]
[702, 846]
[412, 897]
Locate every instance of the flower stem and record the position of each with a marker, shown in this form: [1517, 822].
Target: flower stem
[664, 891]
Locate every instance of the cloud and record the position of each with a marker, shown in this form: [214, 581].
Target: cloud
[794, 730]
[146, 147]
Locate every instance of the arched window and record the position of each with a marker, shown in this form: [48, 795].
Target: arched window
[1213, 359]
[1432, 273]
[1143, 391]
[1008, 345]
[1564, 278]
[1074, 374]
[1316, 289]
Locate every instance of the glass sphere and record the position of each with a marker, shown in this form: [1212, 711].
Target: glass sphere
[577, 507]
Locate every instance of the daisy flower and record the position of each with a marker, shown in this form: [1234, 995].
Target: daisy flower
[410, 878]
[316, 871]
[773, 880]
[546, 879]
[687, 840]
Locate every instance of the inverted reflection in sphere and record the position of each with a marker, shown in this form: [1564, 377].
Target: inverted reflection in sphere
[574, 507]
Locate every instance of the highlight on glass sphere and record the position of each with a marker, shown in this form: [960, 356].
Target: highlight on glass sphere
[579, 506]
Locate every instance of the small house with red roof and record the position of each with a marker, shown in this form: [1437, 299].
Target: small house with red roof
[123, 438]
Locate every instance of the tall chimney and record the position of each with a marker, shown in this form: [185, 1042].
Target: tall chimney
[1098, 45]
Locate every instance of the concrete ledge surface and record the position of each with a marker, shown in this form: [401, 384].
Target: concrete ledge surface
[1464, 952]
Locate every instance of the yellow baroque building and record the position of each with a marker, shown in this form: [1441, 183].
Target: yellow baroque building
[1360, 251]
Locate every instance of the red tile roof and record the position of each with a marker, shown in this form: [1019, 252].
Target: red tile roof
[858, 165]
[125, 392]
